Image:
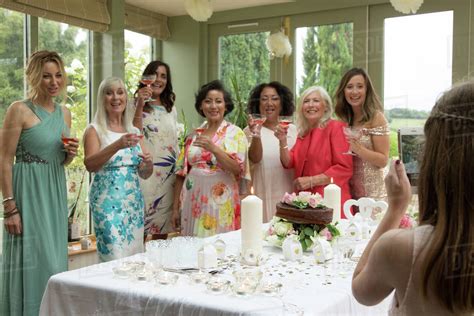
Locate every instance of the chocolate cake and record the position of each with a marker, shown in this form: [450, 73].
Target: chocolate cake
[320, 216]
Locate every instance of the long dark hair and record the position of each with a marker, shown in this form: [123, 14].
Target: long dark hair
[167, 97]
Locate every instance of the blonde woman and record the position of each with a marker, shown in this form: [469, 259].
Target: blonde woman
[358, 105]
[114, 152]
[34, 187]
[430, 267]
[318, 154]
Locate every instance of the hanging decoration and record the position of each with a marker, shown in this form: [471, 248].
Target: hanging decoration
[278, 44]
[406, 6]
[199, 10]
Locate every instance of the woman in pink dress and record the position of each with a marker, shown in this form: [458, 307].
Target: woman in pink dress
[209, 168]
[318, 154]
[358, 105]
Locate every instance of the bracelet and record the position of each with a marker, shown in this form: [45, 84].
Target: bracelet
[10, 198]
[8, 212]
[284, 147]
[11, 213]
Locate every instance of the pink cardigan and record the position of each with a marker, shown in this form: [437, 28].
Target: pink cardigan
[321, 151]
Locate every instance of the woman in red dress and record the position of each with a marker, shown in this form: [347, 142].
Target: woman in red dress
[319, 152]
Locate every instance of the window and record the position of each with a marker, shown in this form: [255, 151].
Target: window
[137, 56]
[72, 45]
[418, 54]
[243, 63]
[11, 64]
[11, 59]
[323, 53]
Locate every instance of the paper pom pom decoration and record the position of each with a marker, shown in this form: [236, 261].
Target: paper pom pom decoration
[278, 45]
[406, 6]
[199, 10]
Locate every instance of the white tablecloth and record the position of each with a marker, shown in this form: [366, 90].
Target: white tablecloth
[94, 291]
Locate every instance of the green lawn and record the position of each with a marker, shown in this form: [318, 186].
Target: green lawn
[395, 125]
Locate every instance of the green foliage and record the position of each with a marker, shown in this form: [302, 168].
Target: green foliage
[11, 59]
[407, 114]
[134, 67]
[327, 55]
[239, 115]
[243, 64]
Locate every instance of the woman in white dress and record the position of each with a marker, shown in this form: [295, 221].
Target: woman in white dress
[116, 156]
[270, 180]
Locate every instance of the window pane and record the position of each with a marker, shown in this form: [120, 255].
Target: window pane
[323, 55]
[243, 63]
[137, 56]
[417, 68]
[72, 45]
[11, 58]
[11, 67]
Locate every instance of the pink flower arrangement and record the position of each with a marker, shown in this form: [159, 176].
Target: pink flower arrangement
[303, 199]
[326, 233]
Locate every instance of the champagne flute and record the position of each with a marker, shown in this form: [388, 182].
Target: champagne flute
[147, 80]
[258, 120]
[351, 134]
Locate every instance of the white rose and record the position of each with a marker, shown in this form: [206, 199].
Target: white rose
[283, 228]
[274, 240]
[304, 196]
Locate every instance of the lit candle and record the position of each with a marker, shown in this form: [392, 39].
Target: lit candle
[251, 224]
[332, 199]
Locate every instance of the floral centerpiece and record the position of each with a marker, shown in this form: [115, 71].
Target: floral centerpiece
[281, 228]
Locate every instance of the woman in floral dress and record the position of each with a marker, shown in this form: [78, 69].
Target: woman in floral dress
[114, 154]
[209, 169]
[158, 121]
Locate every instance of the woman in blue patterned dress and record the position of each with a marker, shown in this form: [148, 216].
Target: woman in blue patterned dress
[116, 156]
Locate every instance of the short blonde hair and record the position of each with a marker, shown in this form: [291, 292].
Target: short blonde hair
[100, 117]
[301, 121]
[34, 73]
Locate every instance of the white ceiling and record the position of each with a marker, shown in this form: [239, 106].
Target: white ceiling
[176, 7]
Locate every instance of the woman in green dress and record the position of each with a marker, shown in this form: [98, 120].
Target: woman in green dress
[34, 187]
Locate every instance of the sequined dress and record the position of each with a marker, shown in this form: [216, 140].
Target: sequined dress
[39, 188]
[367, 179]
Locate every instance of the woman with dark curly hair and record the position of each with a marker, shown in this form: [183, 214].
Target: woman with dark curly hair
[157, 119]
[269, 179]
[209, 168]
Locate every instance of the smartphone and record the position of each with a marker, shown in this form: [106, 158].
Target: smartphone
[410, 147]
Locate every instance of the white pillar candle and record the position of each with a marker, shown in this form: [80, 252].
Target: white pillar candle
[332, 199]
[251, 224]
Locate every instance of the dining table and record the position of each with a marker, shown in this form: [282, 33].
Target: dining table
[284, 287]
